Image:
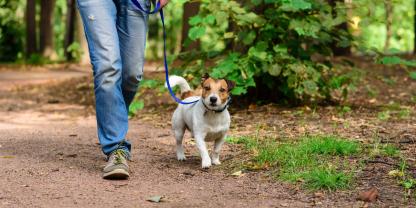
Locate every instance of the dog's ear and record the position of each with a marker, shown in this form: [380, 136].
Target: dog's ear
[204, 77]
[230, 84]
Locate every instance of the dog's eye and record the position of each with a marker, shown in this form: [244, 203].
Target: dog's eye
[222, 90]
[207, 88]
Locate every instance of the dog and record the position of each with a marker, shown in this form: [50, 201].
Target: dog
[208, 119]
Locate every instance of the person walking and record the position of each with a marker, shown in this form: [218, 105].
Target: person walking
[116, 34]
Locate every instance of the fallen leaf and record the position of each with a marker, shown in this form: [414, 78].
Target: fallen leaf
[319, 194]
[252, 106]
[155, 199]
[372, 100]
[396, 173]
[189, 173]
[7, 157]
[284, 204]
[238, 173]
[369, 196]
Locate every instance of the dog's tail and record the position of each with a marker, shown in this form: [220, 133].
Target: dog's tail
[183, 85]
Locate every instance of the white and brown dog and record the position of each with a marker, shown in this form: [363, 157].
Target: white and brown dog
[208, 119]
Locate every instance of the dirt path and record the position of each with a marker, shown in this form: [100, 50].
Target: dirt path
[49, 158]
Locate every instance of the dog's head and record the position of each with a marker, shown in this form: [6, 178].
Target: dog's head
[215, 92]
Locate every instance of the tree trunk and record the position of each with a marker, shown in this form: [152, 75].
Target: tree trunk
[80, 37]
[46, 29]
[190, 9]
[69, 28]
[31, 46]
[337, 50]
[389, 21]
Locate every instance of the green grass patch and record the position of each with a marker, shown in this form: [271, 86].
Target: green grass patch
[390, 150]
[318, 162]
[394, 111]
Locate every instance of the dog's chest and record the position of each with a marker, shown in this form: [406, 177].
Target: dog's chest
[215, 130]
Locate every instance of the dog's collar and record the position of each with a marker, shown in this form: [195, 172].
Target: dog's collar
[220, 110]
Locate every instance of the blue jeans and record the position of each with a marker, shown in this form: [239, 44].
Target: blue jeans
[116, 36]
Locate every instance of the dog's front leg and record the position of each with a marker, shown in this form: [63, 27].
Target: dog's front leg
[217, 148]
[200, 143]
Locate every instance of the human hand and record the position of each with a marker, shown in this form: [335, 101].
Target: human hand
[163, 3]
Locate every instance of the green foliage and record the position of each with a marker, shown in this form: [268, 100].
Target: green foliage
[394, 110]
[328, 178]
[135, 107]
[319, 162]
[37, 59]
[395, 60]
[59, 26]
[153, 84]
[390, 150]
[11, 30]
[384, 115]
[173, 20]
[75, 50]
[331, 146]
[403, 176]
[371, 18]
[342, 110]
[271, 43]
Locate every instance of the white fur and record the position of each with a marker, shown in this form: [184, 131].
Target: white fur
[205, 125]
[180, 81]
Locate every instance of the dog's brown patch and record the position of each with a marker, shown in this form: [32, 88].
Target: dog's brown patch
[196, 92]
[219, 87]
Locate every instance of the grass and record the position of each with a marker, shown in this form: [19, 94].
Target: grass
[394, 111]
[390, 150]
[317, 162]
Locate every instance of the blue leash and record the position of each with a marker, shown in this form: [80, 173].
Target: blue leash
[160, 10]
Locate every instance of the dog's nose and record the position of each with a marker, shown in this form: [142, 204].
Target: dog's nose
[213, 99]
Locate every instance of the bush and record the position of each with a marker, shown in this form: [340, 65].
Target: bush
[11, 31]
[269, 44]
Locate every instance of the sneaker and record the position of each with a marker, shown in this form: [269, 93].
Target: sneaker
[116, 167]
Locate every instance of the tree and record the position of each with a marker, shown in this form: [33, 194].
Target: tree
[190, 9]
[389, 21]
[46, 29]
[336, 49]
[31, 44]
[69, 28]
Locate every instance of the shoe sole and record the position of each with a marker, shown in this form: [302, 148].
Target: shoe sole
[116, 174]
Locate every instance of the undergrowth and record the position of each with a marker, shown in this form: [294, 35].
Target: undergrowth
[317, 162]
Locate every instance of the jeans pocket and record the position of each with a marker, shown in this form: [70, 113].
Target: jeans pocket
[91, 3]
[134, 11]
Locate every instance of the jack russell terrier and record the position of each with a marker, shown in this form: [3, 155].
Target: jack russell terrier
[208, 119]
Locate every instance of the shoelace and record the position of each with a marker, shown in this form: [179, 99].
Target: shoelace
[119, 155]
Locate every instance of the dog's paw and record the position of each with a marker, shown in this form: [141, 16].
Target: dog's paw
[181, 157]
[206, 163]
[216, 162]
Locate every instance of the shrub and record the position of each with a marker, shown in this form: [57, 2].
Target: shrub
[270, 44]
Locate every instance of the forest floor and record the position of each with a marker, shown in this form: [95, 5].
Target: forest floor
[49, 155]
